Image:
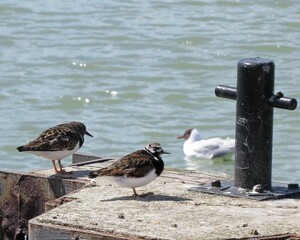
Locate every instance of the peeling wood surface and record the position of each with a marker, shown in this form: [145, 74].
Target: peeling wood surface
[23, 196]
[50, 232]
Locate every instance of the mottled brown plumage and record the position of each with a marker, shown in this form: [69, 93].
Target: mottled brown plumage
[57, 142]
[130, 170]
[136, 164]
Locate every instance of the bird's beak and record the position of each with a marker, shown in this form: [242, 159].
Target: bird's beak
[179, 137]
[87, 133]
[164, 152]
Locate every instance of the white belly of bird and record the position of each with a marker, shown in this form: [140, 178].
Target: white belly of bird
[55, 155]
[134, 182]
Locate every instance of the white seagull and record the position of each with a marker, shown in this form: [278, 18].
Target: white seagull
[195, 147]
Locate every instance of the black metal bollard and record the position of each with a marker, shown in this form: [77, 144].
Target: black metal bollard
[254, 133]
[254, 120]
[254, 123]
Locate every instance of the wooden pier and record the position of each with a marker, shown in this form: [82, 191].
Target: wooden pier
[44, 205]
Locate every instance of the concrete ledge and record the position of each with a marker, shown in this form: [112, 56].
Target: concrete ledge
[172, 212]
[78, 208]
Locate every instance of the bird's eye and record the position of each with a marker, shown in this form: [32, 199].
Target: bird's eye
[157, 149]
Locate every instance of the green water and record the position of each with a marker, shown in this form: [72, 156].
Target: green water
[60, 61]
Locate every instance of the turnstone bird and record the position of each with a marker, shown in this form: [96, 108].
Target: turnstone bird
[57, 142]
[135, 169]
[195, 147]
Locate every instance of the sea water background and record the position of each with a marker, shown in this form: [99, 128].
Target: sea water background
[141, 71]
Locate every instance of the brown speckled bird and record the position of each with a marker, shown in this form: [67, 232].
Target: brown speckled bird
[135, 169]
[57, 142]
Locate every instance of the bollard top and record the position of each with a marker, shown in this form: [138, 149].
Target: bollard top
[255, 61]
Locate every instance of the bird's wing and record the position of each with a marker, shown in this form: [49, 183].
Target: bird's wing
[213, 146]
[132, 165]
[53, 139]
[206, 145]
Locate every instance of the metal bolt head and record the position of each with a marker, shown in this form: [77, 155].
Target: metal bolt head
[293, 186]
[258, 188]
[215, 183]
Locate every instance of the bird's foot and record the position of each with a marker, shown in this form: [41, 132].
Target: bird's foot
[62, 171]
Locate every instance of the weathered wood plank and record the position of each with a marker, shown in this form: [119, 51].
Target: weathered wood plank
[46, 231]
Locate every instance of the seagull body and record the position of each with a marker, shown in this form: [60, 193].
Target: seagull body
[195, 147]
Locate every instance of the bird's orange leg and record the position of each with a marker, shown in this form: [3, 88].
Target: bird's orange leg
[61, 167]
[55, 169]
[134, 192]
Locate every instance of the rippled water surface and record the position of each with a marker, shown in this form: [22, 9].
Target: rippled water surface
[136, 72]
